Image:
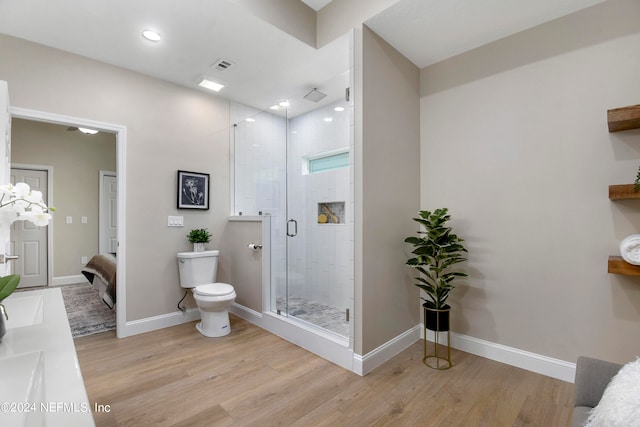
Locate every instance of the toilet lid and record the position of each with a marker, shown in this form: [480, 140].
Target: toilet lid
[214, 289]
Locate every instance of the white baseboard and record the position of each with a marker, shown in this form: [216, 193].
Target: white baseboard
[68, 280]
[362, 365]
[533, 362]
[367, 363]
[246, 313]
[148, 324]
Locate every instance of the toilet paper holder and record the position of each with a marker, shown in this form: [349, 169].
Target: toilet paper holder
[255, 246]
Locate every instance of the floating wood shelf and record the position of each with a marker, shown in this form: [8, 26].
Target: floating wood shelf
[624, 118]
[624, 191]
[619, 266]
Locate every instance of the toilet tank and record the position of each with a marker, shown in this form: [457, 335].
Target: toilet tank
[197, 268]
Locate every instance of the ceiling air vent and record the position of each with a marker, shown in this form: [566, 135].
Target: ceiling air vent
[222, 64]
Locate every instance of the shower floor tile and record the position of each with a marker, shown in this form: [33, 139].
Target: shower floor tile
[325, 316]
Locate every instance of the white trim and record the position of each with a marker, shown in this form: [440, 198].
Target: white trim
[149, 324]
[367, 363]
[68, 280]
[317, 342]
[266, 262]
[121, 167]
[246, 218]
[153, 323]
[49, 170]
[533, 362]
[246, 313]
[540, 364]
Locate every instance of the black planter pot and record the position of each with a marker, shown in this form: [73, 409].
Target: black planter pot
[436, 320]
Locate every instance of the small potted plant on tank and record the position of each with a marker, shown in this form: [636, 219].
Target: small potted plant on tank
[199, 237]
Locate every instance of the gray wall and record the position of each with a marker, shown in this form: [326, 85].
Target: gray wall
[168, 128]
[387, 192]
[76, 160]
[242, 267]
[515, 143]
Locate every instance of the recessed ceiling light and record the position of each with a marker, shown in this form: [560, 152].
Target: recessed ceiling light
[250, 119]
[328, 119]
[88, 131]
[275, 107]
[338, 109]
[151, 35]
[283, 103]
[208, 84]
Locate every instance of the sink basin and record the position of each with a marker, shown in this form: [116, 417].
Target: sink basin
[23, 389]
[40, 379]
[23, 310]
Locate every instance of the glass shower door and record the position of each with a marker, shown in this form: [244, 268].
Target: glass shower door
[318, 228]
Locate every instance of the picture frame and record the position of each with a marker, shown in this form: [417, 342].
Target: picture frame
[193, 190]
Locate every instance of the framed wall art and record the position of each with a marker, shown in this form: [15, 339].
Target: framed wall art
[193, 190]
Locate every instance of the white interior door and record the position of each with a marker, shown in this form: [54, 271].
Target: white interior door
[108, 212]
[28, 241]
[5, 166]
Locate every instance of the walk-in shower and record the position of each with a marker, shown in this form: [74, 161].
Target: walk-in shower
[297, 169]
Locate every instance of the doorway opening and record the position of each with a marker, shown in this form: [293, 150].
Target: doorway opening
[120, 209]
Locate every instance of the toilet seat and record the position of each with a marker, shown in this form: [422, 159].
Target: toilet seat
[214, 289]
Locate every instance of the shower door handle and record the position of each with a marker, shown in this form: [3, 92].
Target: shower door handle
[295, 223]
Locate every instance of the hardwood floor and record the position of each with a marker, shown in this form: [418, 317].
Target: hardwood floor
[177, 377]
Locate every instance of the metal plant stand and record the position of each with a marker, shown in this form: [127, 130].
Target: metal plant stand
[436, 359]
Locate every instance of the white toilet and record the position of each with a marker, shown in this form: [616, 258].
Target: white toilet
[198, 273]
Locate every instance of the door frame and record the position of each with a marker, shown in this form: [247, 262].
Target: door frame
[121, 163]
[49, 202]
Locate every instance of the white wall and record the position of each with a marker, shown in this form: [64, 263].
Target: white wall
[258, 144]
[514, 142]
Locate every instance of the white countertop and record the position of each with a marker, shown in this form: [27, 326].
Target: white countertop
[40, 379]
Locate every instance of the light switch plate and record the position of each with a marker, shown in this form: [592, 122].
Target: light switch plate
[175, 221]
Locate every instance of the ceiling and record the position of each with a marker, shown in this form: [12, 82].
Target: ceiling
[268, 65]
[429, 31]
[316, 4]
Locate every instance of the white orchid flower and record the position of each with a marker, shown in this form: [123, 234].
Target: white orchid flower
[34, 196]
[19, 202]
[21, 189]
[36, 216]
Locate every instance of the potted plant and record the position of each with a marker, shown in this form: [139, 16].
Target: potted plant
[436, 250]
[199, 236]
[8, 284]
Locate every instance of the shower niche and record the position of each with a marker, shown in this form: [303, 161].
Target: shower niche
[331, 213]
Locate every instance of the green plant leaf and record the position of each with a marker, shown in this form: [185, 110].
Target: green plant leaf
[8, 284]
[199, 235]
[436, 248]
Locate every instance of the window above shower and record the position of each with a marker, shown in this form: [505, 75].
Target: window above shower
[326, 161]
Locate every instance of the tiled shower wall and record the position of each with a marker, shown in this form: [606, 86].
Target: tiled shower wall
[321, 259]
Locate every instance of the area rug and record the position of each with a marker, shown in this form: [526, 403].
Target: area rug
[86, 311]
